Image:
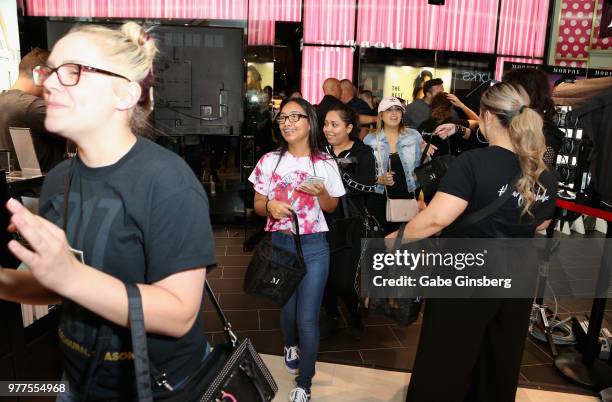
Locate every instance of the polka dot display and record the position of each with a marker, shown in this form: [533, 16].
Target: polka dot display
[575, 27]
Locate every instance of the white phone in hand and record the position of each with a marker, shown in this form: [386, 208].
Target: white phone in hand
[312, 180]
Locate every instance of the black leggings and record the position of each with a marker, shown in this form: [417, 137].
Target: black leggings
[470, 350]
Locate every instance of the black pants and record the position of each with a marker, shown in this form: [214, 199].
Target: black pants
[470, 350]
[341, 284]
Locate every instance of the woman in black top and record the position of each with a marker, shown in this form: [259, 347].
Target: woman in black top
[133, 211]
[358, 170]
[480, 361]
[536, 84]
[441, 107]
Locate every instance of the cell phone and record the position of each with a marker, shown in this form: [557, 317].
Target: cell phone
[312, 180]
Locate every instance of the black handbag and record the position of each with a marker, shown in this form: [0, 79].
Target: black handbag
[429, 174]
[232, 371]
[345, 230]
[274, 272]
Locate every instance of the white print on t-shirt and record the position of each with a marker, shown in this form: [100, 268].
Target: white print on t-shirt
[540, 195]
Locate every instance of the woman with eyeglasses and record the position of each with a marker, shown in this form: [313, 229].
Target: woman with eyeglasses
[397, 150]
[130, 210]
[283, 182]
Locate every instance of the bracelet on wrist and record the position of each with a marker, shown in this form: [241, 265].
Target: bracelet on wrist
[267, 210]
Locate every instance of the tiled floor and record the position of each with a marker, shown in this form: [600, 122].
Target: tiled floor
[384, 345]
[336, 382]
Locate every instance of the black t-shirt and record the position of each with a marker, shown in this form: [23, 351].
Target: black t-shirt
[361, 107]
[456, 143]
[482, 175]
[140, 220]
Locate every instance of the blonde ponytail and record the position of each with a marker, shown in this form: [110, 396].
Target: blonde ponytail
[510, 103]
[525, 132]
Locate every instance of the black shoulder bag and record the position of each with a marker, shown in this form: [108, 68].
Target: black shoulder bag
[429, 174]
[233, 371]
[274, 272]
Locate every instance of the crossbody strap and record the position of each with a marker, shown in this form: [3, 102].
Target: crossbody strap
[482, 213]
[139, 344]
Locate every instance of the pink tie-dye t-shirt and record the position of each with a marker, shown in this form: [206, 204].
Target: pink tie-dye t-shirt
[281, 184]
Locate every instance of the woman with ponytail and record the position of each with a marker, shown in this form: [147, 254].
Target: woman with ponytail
[484, 352]
[132, 211]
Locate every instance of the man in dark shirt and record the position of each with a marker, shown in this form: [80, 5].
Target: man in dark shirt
[22, 106]
[419, 110]
[332, 92]
[366, 115]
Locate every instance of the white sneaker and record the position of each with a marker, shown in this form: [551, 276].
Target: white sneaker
[292, 359]
[299, 395]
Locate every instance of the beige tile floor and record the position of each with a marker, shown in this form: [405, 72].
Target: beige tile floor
[336, 382]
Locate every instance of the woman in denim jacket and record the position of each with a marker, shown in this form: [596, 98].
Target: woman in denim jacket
[398, 146]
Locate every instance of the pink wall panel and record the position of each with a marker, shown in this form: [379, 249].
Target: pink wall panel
[467, 26]
[329, 22]
[522, 27]
[460, 25]
[261, 33]
[397, 23]
[319, 63]
[264, 13]
[500, 64]
[210, 9]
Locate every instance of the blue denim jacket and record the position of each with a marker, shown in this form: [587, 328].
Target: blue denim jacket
[409, 153]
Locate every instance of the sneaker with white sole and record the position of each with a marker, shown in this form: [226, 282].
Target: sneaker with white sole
[292, 359]
[299, 395]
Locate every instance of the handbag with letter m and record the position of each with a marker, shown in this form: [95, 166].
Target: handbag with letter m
[274, 272]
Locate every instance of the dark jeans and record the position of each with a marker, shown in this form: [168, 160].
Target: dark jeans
[300, 315]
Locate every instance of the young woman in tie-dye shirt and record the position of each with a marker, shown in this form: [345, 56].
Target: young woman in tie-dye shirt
[278, 180]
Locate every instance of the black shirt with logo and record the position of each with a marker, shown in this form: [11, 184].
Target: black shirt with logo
[140, 220]
[482, 175]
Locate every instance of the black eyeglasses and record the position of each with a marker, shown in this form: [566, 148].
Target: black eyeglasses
[293, 118]
[68, 74]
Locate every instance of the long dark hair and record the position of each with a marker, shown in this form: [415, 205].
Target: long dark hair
[535, 82]
[418, 82]
[314, 144]
[348, 116]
